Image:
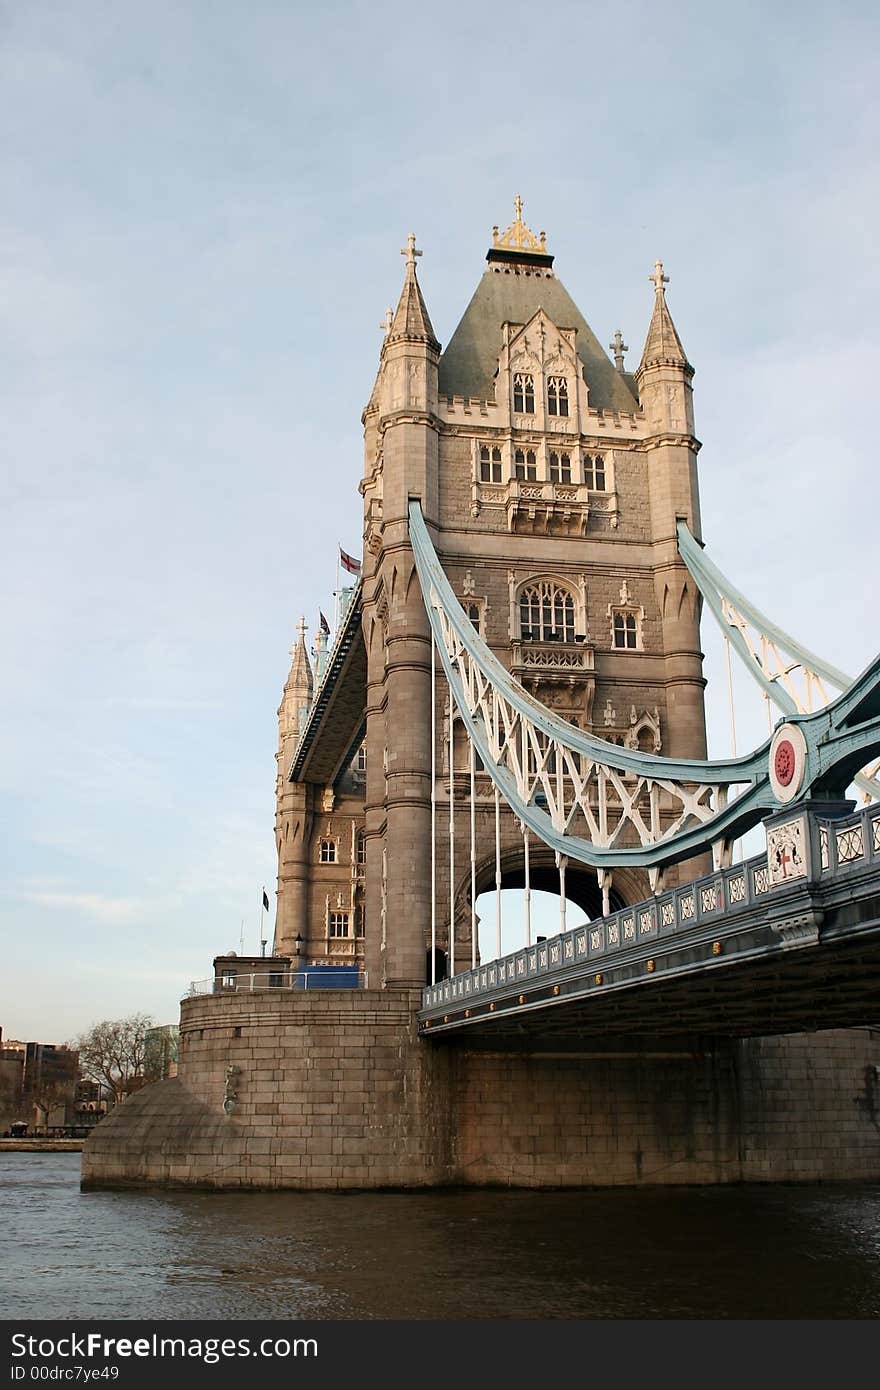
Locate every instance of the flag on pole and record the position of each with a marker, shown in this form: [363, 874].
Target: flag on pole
[349, 563]
[325, 626]
[265, 900]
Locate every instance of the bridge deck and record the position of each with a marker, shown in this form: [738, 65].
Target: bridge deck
[741, 952]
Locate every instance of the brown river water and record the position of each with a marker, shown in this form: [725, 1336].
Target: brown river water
[744, 1252]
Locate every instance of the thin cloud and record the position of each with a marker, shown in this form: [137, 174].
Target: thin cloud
[115, 911]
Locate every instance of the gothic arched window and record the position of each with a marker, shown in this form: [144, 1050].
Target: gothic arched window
[560, 467]
[360, 848]
[557, 395]
[525, 465]
[524, 393]
[546, 612]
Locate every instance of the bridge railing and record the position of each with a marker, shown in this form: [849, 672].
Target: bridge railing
[706, 900]
[844, 845]
[254, 981]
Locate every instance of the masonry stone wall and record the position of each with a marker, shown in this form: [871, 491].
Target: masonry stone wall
[333, 1089]
[802, 1108]
[329, 1090]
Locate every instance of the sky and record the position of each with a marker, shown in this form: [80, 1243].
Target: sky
[202, 212]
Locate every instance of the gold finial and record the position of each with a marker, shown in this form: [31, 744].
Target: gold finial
[410, 249]
[518, 237]
[658, 277]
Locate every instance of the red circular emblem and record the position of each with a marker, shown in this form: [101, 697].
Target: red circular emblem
[783, 763]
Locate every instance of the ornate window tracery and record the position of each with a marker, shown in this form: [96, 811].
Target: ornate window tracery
[557, 395]
[546, 612]
[524, 393]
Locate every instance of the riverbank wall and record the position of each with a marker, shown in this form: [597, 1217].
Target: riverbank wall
[24, 1146]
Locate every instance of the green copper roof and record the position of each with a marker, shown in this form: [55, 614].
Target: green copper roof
[514, 295]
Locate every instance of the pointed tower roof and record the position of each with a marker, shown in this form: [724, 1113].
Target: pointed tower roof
[518, 281]
[411, 319]
[662, 345]
[299, 683]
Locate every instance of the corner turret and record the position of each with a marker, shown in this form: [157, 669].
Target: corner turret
[664, 374]
[296, 699]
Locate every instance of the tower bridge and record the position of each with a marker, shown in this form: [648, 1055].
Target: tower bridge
[514, 695]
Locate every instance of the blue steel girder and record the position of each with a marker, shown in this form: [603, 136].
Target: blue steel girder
[535, 758]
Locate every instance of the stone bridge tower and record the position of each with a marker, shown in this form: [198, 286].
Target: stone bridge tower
[551, 480]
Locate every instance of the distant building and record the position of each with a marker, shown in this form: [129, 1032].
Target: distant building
[12, 1055]
[92, 1101]
[38, 1084]
[51, 1073]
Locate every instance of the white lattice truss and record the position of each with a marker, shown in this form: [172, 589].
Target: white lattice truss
[808, 692]
[585, 797]
[794, 678]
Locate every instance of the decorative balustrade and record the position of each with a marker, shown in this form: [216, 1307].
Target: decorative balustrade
[845, 846]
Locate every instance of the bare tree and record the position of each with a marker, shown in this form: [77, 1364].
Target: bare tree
[112, 1053]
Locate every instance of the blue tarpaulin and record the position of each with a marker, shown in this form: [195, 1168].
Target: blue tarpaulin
[330, 976]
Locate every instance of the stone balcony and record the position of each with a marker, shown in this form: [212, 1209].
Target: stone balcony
[556, 663]
[554, 508]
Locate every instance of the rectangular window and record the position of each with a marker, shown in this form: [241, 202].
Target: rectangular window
[337, 924]
[560, 468]
[525, 465]
[328, 852]
[625, 631]
[490, 465]
[594, 472]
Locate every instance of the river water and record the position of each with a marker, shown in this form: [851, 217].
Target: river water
[749, 1252]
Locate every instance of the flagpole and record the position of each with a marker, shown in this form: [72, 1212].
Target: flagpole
[336, 594]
